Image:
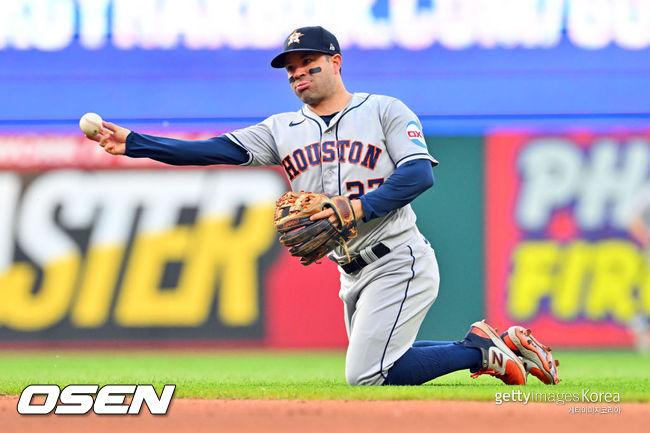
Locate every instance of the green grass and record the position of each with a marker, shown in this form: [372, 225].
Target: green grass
[300, 375]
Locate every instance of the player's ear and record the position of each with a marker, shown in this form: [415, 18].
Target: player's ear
[337, 60]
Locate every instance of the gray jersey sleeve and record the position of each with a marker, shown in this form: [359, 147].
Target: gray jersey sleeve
[403, 131]
[259, 142]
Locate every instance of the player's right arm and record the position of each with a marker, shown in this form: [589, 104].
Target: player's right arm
[112, 138]
[217, 150]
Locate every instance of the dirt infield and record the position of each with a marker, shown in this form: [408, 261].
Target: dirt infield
[272, 416]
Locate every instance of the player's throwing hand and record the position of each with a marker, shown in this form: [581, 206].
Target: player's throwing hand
[112, 138]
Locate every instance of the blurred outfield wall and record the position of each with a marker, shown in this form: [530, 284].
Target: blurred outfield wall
[539, 112]
[530, 229]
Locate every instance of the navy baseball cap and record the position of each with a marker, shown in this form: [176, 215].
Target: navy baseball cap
[308, 39]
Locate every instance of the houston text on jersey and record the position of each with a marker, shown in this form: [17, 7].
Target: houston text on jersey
[347, 151]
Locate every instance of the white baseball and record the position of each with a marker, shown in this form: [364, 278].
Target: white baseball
[90, 124]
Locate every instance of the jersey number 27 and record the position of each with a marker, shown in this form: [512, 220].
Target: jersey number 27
[360, 187]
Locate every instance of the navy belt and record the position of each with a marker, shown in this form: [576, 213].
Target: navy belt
[358, 263]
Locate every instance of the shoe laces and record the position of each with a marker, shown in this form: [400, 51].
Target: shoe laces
[485, 371]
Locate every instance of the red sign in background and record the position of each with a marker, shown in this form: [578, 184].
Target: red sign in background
[505, 234]
[303, 306]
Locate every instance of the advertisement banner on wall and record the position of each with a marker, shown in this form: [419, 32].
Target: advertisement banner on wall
[564, 253]
[101, 248]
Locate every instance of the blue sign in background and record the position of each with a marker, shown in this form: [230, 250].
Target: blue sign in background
[463, 91]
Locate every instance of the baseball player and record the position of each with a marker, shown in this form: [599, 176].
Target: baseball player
[371, 149]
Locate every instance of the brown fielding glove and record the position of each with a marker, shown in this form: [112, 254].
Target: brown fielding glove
[312, 240]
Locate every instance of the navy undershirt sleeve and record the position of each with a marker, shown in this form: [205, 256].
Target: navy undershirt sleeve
[216, 150]
[407, 182]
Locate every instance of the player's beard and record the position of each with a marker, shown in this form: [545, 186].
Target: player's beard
[310, 98]
[317, 92]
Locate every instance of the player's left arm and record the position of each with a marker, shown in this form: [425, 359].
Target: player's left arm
[413, 173]
[408, 181]
[413, 164]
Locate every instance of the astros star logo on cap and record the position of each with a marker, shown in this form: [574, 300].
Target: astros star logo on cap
[295, 37]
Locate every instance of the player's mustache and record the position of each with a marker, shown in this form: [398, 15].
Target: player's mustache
[312, 71]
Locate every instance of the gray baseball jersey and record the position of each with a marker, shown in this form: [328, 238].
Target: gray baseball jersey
[353, 155]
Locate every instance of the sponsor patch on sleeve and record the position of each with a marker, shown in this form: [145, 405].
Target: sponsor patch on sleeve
[415, 134]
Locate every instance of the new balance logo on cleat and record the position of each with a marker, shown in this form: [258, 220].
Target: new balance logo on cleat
[498, 360]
